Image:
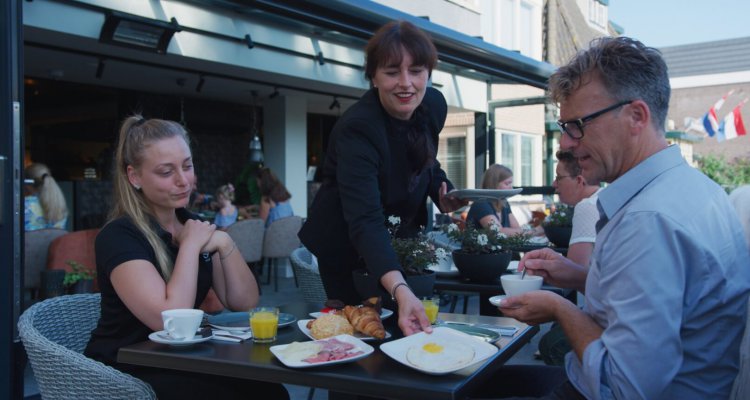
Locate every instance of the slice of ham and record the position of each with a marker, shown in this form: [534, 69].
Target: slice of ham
[333, 350]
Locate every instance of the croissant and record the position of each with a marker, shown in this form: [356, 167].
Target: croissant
[365, 320]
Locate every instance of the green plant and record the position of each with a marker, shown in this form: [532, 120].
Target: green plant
[727, 174]
[80, 272]
[416, 253]
[563, 216]
[479, 240]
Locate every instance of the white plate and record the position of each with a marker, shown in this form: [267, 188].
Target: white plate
[484, 194]
[538, 241]
[495, 301]
[384, 313]
[359, 345]
[240, 321]
[513, 266]
[453, 272]
[164, 338]
[398, 349]
[302, 324]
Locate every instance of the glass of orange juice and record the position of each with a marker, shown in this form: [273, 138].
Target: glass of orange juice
[264, 322]
[431, 307]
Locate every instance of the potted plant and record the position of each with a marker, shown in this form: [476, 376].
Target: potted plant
[484, 254]
[414, 254]
[558, 226]
[80, 279]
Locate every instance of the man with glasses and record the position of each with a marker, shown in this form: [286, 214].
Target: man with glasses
[668, 281]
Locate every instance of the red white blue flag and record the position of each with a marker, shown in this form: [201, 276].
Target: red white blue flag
[732, 125]
[710, 120]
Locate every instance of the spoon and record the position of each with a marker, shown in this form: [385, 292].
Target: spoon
[523, 274]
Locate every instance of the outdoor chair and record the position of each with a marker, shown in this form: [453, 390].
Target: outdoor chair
[248, 236]
[308, 276]
[741, 388]
[36, 245]
[55, 333]
[278, 243]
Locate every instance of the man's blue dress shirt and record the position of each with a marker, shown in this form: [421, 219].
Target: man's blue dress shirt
[669, 280]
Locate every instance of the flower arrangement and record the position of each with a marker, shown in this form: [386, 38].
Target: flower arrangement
[478, 240]
[415, 254]
[562, 216]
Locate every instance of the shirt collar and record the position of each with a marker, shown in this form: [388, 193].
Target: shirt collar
[624, 188]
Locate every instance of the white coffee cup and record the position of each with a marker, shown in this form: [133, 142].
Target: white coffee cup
[513, 285]
[182, 323]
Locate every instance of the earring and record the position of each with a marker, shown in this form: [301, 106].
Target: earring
[137, 187]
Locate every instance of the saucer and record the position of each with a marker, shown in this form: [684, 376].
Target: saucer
[495, 300]
[164, 338]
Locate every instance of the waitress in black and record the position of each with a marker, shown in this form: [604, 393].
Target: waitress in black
[381, 162]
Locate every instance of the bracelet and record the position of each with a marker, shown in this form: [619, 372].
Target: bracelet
[234, 246]
[396, 286]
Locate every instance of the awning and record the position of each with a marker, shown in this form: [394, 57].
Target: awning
[358, 20]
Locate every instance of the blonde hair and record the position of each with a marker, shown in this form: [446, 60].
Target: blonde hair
[50, 196]
[136, 134]
[226, 191]
[495, 174]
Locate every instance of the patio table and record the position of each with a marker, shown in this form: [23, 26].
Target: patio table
[376, 375]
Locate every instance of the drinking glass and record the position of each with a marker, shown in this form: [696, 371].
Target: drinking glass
[431, 307]
[264, 322]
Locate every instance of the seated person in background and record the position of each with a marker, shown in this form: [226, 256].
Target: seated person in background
[485, 212]
[227, 213]
[154, 255]
[740, 199]
[274, 201]
[44, 203]
[574, 191]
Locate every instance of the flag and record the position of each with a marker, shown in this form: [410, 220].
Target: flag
[710, 120]
[732, 125]
[694, 124]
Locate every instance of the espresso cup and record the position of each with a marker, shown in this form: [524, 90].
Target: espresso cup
[182, 323]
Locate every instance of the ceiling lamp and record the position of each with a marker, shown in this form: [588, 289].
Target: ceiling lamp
[256, 149]
[137, 32]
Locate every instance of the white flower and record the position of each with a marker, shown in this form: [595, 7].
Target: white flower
[482, 239]
[394, 220]
[494, 227]
[562, 213]
[502, 236]
[452, 228]
[440, 253]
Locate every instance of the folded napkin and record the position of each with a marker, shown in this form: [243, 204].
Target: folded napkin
[231, 336]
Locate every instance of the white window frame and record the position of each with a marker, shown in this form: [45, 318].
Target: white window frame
[536, 156]
[521, 31]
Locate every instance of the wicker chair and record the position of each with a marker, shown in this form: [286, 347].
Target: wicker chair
[55, 333]
[308, 276]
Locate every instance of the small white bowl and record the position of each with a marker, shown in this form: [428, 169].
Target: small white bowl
[513, 285]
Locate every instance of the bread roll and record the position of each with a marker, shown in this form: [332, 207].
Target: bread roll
[328, 325]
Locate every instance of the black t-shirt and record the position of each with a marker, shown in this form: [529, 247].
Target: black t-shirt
[482, 208]
[118, 242]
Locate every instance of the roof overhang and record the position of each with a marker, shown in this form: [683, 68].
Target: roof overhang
[358, 20]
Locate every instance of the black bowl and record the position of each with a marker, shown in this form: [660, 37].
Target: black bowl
[559, 235]
[482, 268]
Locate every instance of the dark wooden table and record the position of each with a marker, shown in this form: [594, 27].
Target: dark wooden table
[376, 375]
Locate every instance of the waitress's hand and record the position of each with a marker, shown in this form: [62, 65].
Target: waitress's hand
[411, 315]
[195, 233]
[449, 203]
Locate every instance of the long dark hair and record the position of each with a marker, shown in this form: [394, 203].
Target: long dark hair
[270, 186]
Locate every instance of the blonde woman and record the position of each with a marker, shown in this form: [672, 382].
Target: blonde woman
[44, 203]
[227, 213]
[154, 255]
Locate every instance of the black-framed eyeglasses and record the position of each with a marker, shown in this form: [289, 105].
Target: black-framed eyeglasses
[574, 127]
[558, 177]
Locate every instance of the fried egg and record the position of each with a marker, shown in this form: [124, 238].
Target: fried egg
[438, 355]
